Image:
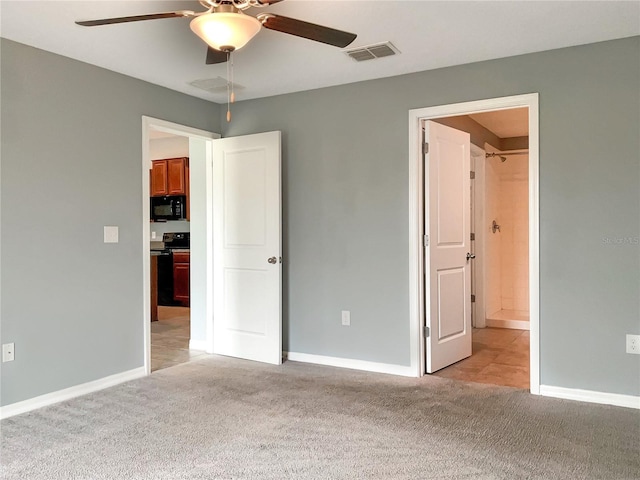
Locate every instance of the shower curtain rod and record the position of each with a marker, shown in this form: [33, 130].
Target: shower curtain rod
[487, 155]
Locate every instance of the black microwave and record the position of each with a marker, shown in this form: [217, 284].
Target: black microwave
[168, 208]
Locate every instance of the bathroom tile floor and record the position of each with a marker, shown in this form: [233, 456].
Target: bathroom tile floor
[170, 338]
[500, 357]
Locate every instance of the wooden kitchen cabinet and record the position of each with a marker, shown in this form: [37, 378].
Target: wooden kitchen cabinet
[181, 262]
[169, 177]
[158, 178]
[176, 184]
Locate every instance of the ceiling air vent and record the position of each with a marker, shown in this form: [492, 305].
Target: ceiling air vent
[214, 85]
[369, 52]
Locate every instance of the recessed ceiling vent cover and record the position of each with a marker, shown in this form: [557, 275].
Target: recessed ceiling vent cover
[214, 85]
[369, 52]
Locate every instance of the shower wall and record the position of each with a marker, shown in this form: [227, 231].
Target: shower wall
[514, 210]
[507, 250]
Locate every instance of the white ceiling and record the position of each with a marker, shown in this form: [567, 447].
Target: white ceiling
[429, 34]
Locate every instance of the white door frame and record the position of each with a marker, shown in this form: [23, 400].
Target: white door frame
[478, 268]
[182, 130]
[416, 227]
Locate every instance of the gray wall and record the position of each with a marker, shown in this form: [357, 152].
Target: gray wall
[71, 163]
[71, 144]
[345, 177]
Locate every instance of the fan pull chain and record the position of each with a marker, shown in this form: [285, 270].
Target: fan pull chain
[229, 87]
[231, 95]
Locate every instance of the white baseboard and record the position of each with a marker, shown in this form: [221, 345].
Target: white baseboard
[402, 370]
[514, 324]
[198, 345]
[615, 399]
[71, 392]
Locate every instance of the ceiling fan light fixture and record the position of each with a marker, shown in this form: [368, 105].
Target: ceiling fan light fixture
[225, 31]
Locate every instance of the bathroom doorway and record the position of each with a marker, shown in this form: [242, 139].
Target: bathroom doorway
[504, 272]
[500, 242]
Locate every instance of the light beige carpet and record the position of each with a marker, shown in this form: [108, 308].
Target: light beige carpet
[221, 418]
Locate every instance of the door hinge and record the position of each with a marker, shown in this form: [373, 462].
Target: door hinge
[426, 331]
[473, 236]
[472, 175]
[425, 240]
[473, 298]
[425, 148]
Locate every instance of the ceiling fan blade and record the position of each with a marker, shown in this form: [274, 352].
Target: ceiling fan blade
[215, 56]
[136, 18]
[311, 31]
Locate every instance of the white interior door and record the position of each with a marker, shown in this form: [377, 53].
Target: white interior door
[447, 224]
[247, 251]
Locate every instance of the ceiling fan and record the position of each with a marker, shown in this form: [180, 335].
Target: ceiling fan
[225, 28]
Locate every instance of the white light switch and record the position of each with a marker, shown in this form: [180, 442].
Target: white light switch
[110, 234]
[153, 235]
[346, 318]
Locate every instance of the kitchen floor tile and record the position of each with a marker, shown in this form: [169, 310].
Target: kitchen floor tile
[170, 338]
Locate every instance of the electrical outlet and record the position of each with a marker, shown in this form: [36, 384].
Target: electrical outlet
[346, 318]
[633, 344]
[8, 352]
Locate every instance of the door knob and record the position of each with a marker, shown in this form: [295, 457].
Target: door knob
[272, 260]
[470, 255]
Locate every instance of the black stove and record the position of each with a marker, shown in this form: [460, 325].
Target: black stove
[174, 241]
[171, 241]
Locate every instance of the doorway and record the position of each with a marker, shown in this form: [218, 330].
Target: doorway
[184, 325]
[170, 252]
[499, 206]
[487, 342]
[235, 193]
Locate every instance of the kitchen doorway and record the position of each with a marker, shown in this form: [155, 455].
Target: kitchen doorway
[176, 266]
[234, 189]
[499, 356]
[170, 250]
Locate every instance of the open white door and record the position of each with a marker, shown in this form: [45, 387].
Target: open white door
[447, 225]
[247, 254]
